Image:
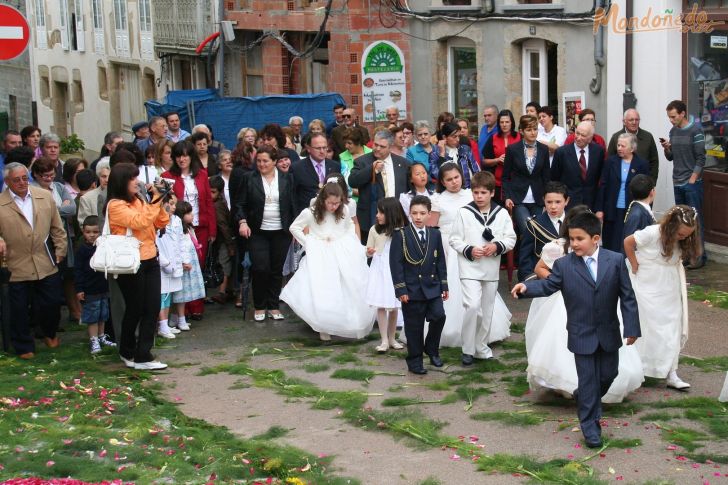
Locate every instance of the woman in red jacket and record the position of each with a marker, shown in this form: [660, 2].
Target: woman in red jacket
[494, 152]
[191, 185]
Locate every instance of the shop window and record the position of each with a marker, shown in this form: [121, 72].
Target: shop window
[708, 90]
[464, 81]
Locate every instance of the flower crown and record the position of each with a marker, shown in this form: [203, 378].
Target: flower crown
[685, 216]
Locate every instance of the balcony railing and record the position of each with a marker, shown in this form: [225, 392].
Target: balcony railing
[180, 25]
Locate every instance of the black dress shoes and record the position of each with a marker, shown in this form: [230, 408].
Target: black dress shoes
[593, 442]
[419, 370]
[467, 359]
[435, 360]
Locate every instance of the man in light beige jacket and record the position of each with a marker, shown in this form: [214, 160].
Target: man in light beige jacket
[29, 221]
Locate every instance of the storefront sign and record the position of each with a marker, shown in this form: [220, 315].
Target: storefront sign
[694, 20]
[571, 106]
[719, 41]
[384, 82]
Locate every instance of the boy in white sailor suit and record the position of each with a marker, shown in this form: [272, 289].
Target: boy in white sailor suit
[481, 234]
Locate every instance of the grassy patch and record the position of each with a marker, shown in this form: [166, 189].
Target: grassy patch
[623, 409]
[430, 481]
[353, 374]
[345, 358]
[708, 364]
[688, 438]
[517, 385]
[658, 416]
[314, 367]
[439, 386]
[67, 414]
[553, 471]
[714, 297]
[517, 418]
[519, 345]
[470, 394]
[707, 411]
[405, 401]
[623, 443]
[518, 328]
[513, 356]
[707, 458]
[272, 433]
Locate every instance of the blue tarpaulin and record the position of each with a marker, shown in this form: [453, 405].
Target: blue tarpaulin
[227, 116]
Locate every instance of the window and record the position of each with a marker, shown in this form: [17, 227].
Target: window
[63, 7]
[535, 69]
[41, 37]
[97, 14]
[80, 44]
[121, 29]
[464, 81]
[103, 82]
[253, 69]
[145, 30]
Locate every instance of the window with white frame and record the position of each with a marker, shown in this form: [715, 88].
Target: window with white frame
[63, 7]
[463, 80]
[535, 71]
[97, 13]
[146, 43]
[80, 27]
[121, 29]
[41, 36]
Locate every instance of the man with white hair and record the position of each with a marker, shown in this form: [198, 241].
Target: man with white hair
[28, 219]
[392, 114]
[295, 123]
[579, 165]
[646, 146]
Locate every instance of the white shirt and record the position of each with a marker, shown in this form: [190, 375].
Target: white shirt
[389, 169]
[555, 221]
[556, 135]
[25, 205]
[586, 154]
[272, 208]
[226, 190]
[593, 268]
[193, 197]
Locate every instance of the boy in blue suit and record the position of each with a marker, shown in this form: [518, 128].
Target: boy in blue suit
[546, 226]
[592, 280]
[417, 262]
[639, 214]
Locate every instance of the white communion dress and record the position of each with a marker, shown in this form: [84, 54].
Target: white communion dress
[327, 290]
[661, 292]
[550, 363]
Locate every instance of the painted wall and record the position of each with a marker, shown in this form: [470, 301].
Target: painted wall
[657, 80]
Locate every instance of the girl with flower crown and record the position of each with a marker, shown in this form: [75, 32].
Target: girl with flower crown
[656, 255]
[326, 291]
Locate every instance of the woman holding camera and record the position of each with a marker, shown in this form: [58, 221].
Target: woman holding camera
[127, 210]
[191, 185]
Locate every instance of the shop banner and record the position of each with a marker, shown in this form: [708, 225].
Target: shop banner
[384, 82]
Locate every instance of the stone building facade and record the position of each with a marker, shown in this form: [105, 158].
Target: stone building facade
[16, 103]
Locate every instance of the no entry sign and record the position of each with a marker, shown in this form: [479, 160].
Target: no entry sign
[14, 33]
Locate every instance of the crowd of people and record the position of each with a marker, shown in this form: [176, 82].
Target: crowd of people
[409, 225]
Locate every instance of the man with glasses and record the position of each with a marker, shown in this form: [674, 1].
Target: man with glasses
[490, 116]
[376, 175]
[27, 220]
[646, 146]
[337, 134]
[309, 175]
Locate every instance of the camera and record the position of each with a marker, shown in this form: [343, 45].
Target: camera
[163, 186]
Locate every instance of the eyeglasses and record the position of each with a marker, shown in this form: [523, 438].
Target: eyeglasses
[48, 175]
[24, 179]
[346, 116]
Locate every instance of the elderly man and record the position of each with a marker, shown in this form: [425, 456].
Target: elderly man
[157, 132]
[392, 114]
[376, 175]
[140, 131]
[337, 134]
[174, 131]
[579, 165]
[27, 220]
[490, 116]
[50, 146]
[646, 147]
[111, 140]
[295, 123]
[92, 202]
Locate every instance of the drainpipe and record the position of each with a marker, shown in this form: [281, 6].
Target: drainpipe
[595, 86]
[221, 56]
[629, 100]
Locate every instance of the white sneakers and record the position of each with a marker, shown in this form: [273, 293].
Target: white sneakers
[184, 326]
[127, 362]
[165, 333]
[105, 341]
[152, 365]
[94, 345]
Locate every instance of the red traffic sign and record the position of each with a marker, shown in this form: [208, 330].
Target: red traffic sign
[14, 33]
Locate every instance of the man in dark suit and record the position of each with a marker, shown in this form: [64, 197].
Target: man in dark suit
[309, 174]
[579, 165]
[376, 175]
[592, 282]
[417, 263]
[646, 146]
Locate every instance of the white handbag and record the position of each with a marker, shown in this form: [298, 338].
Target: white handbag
[116, 254]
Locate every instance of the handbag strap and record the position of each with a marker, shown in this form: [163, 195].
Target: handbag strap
[107, 228]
